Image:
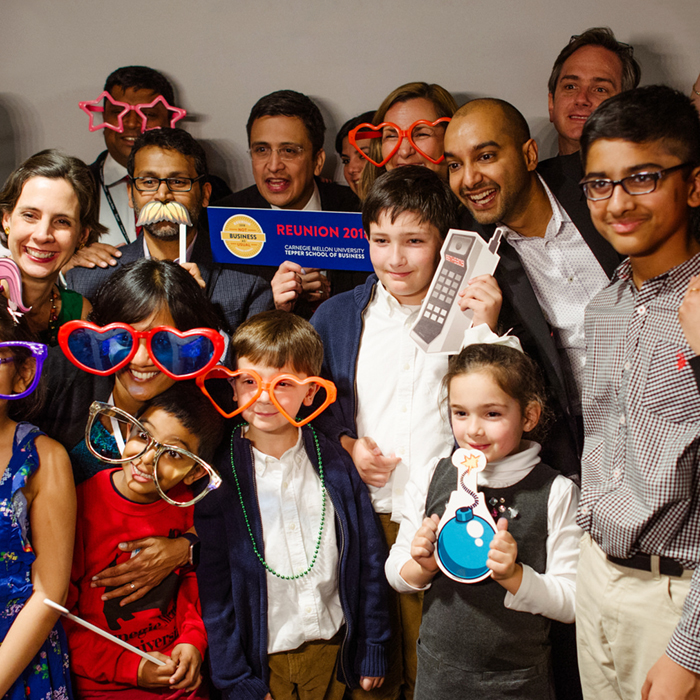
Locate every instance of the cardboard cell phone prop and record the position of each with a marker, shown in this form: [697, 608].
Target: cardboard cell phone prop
[441, 323]
[466, 527]
[102, 633]
[175, 213]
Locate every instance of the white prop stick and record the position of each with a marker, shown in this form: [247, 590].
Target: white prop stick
[175, 213]
[102, 633]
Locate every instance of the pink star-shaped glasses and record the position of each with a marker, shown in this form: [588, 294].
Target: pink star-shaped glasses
[93, 106]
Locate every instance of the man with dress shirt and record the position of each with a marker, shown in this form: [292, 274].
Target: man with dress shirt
[553, 261]
[168, 165]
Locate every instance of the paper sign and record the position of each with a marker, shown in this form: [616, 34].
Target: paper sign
[441, 323]
[324, 239]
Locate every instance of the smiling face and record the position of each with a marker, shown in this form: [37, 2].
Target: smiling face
[588, 77]
[44, 227]
[651, 229]
[404, 255]
[141, 380]
[136, 481]
[287, 184]
[263, 417]
[120, 145]
[485, 418]
[153, 161]
[353, 162]
[428, 138]
[488, 171]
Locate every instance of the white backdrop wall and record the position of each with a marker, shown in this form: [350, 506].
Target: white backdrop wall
[222, 55]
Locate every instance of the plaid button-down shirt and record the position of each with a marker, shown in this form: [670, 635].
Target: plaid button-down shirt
[641, 407]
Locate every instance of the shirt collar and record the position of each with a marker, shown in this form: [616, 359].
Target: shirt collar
[112, 172]
[190, 248]
[677, 277]
[288, 460]
[314, 204]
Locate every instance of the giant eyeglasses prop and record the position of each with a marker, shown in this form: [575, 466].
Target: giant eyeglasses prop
[249, 386]
[168, 464]
[38, 352]
[105, 350]
[422, 135]
[143, 111]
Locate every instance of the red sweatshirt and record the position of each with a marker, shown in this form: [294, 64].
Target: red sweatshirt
[166, 616]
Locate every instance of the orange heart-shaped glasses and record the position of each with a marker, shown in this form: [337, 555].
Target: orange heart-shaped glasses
[353, 137]
[220, 372]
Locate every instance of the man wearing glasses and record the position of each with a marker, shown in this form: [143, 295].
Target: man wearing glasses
[168, 165]
[285, 137]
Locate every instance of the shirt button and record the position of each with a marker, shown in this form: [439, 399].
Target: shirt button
[622, 419]
[616, 473]
[570, 279]
[407, 366]
[404, 409]
[308, 609]
[284, 484]
[584, 510]
[641, 310]
[292, 526]
[628, 366]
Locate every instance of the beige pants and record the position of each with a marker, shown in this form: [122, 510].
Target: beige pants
[306, 673]
[624, 620]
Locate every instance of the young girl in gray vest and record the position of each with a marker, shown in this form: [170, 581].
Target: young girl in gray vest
[493, 542]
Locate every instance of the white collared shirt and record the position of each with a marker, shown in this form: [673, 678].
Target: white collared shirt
[290, 500]
[398, 396]
[188, 252]
[114, 178]
[565, 276]
[314, 204]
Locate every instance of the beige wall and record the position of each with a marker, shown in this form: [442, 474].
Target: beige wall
[222, 55]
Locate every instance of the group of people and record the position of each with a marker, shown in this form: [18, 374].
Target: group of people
[245, 473]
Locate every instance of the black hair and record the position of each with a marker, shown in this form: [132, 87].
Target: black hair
[141, 78]
[605, 38]
[411, 188]
[288, 103]
[517, 374]
[184, 401]
[349, 125]
[646, 114]
[138, 290]
[30, 406]
[170, 140]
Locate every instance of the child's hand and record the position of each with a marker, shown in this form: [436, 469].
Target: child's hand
[689, 314]
[503, 554]
[369, 682]
[373, 467]
[423, 545]
[483, 296]
[152, 676]
[188, 661]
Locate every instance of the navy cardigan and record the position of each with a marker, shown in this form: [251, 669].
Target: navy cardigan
[233, 585]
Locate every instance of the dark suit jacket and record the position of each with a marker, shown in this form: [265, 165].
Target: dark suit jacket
[521, 311]
[236, 291]
[334, 197]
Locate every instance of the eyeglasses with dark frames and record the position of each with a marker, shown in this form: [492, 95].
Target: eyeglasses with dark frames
[175, 184]
[639, 183]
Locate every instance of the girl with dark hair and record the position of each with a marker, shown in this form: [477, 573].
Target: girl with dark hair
[487, 638]
[48, 212]
[37, 525]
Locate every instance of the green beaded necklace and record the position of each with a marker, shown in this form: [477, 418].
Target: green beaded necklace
[247, 522]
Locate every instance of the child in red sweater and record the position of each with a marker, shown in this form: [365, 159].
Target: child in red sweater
[131, 502]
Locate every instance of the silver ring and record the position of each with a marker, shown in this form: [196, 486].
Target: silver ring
[133, 587]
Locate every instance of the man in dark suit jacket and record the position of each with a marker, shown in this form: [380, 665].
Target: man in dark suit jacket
[285, 137]
[162, 159]
[492, 168]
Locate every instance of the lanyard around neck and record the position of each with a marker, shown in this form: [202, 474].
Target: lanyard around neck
[110, 201]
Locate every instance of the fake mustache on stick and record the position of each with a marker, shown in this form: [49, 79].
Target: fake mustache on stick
[173, 212]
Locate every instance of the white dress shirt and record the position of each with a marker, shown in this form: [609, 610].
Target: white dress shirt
[551, 594]
[565, 276]
[114, 176]
[290, 499]
[399, 396]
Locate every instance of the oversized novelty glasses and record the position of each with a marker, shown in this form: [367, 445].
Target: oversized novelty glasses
[38, 351]
[169, 462]
[639, 183]
[105, 350]
[250, 386]
[97, 106]
[421, 135]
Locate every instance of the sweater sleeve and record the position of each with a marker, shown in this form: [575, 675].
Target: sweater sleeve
[231, 672]
[553, 594]
[190, 626]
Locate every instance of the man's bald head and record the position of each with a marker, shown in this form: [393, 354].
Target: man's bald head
[491, 159]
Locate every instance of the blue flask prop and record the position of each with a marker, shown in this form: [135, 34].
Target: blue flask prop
[466, 528]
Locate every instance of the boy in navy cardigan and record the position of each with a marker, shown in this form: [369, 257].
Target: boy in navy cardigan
[291, 572]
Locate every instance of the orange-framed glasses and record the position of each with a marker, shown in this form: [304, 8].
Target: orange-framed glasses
[419, 131]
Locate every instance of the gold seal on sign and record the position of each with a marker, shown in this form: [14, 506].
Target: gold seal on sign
[243, 236]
